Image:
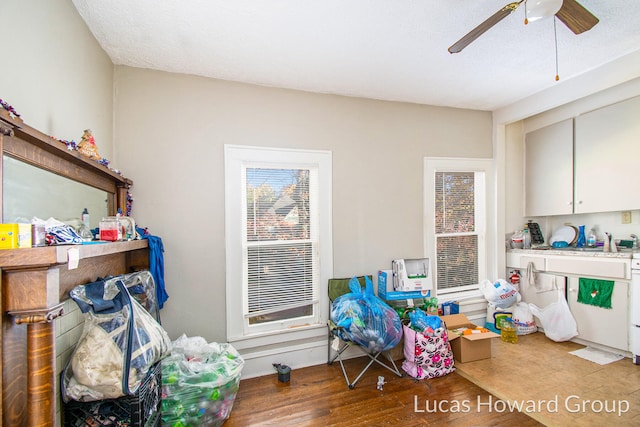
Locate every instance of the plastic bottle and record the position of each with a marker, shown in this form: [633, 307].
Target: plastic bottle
[508, 332]
[119, 225]
[526, 238]
[86, 218]
[582, 240]
[591, 239]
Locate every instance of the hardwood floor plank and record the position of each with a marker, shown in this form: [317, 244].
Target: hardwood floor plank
[319, 396]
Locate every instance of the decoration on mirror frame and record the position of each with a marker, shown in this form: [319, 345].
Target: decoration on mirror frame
[129, 203]
[87, 149]
[9, 108]
[88, 146]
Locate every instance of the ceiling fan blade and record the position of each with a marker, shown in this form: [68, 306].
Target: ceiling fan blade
[482, 28]
[576, 17]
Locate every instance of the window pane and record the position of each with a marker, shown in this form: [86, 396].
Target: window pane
[291, 313]
[280, 254]
[277, 204]
[454, 202]
[280, 277]
[457, 261]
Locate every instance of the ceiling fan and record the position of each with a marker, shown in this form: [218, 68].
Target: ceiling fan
[570, 12]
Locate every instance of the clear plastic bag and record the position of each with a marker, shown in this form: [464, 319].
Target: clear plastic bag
[200, 381]
[120, 342]
[556, 319]
[365, 319]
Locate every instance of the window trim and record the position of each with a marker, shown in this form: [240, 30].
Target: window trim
[460, 164]
[237, 156]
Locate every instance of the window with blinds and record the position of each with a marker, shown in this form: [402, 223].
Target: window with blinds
[456, 231]
[280, 259]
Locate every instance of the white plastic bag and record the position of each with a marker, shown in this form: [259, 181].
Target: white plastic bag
[556, 319]
[523, 318]
[501, 293]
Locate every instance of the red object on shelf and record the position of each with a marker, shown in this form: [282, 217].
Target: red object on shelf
[110, 235]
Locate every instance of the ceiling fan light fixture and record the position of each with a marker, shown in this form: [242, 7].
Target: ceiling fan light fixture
[540, 9]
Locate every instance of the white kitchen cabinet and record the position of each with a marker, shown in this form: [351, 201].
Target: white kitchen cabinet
[548, 173]
[609, 327]
[607, 148]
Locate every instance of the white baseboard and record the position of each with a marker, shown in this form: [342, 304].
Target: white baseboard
[258, 364]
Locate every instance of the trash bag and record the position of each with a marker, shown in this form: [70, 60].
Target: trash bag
[200, 381]
[120, 342]
[501, 293]
[365, 319]
[556, 319]
[523, 318]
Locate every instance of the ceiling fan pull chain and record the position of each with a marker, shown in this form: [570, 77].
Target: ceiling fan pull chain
[555, 38]
[526, 19]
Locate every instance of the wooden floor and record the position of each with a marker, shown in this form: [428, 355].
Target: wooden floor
[535, 371]
[319, 396]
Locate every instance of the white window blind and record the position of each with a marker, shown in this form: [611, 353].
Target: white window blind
[280, 243]
[455, 229]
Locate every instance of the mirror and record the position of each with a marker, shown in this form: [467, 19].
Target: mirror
[29, 191]
[46, 177]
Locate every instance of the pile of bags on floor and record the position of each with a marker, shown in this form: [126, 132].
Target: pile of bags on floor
[504, 300]
[427, 350]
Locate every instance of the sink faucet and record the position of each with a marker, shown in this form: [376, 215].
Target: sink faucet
[635, 240]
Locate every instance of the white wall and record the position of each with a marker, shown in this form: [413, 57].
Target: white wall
[60, 80]
[54, 73]
[170, 131]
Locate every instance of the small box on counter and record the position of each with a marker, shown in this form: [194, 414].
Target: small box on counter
[15, 236]
[386, 291]
[469, 347]
[411, 274]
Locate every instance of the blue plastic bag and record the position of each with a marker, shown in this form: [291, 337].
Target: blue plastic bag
[365, 319]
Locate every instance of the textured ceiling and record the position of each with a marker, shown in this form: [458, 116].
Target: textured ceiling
[381, 49]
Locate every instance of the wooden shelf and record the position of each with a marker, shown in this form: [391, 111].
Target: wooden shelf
[51, 255]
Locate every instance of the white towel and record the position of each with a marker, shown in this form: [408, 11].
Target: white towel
[542, 282]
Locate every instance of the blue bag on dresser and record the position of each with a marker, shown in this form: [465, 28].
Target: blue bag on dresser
[120, 342]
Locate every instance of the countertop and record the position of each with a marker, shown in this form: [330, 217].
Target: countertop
[622, 253]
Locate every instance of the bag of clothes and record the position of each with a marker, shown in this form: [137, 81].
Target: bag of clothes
[120, 342]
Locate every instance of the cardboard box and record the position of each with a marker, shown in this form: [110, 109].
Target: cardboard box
[15, 236]
[467, 348]
[387, 293]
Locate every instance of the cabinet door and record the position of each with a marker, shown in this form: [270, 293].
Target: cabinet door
[548, 173]
[606, 158]
[603, 326]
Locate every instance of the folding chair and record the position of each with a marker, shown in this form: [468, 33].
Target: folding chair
[339, 341]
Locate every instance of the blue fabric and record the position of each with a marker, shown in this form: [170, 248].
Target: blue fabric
[156, 264]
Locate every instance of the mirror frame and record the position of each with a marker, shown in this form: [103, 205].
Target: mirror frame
[24, 143]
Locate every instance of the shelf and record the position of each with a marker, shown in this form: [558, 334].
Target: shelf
[51, 255]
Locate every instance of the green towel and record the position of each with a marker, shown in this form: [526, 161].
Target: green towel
[595, 292]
